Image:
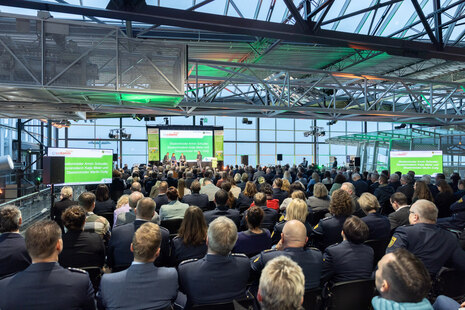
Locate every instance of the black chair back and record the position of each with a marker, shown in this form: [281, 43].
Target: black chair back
[110, 216]
[328, 186]
[351, 295]
[379, 249]
[450, 282]
[95, 275]
[172, 225]
[317, 216]
[245, 303]
[312, 299]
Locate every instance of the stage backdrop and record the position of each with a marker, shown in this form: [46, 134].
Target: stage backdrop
[185, 139]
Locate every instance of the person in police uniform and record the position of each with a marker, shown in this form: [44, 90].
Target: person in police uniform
[292, 244]
[45, 284]
[433, 245]
[220, 276]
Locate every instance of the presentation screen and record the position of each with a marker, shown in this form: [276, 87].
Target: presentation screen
[422, 162]
[187, 142]
[83, 166]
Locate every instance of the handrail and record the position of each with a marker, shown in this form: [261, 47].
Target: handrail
[28, 196]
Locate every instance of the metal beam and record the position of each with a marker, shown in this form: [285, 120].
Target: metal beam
[218, 23]
[425, 23]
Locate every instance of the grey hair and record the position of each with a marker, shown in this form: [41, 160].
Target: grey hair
[9, 218]
[222, 235]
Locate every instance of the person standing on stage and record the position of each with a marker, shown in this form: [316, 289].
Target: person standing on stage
[199, 159]
[166, 159]
[182, 159]
[173, 160]
[335, 163]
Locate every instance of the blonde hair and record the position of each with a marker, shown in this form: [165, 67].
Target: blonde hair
[67, 192]
[282, 284]
[320, 190]
[298, 194]
[286, 185]
[368, 202]
[297, 210]
[146, 241]
[123, 200]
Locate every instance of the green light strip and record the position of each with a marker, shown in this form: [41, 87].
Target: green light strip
[425, 100]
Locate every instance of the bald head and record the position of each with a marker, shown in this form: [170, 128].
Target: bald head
[423, 211]
[294, 234]
[134, 198]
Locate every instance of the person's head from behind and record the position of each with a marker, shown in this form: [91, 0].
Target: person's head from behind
[297, 210]
[146, 243]
[43, 241]
[369, 203]
[298, 195]
[383, 179]
[145, 208]
[254, 217]
[444, 187]
[282, 285]
[10, 219]
[260, 199]
[340, 203]
[405, 179]
[348, 187]
[163, 187]
[221, 197]
[102, 193]
[402, 277]
[87, 201]
[278, 183]
[134, 198]
[195, 187]
[398, 200]
[294, 234]
[250, 189]
[423, 211]
[320, 190]
[135, 187]
[74, 218]
[66, 192]
[339, 178]
[172, 193]
[355, 230]
[193, 229]
[221, 236]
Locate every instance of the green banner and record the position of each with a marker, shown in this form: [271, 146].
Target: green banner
[219, 145]
[153, 137]
[88, 169]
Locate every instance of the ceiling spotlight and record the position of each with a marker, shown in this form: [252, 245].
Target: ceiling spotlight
[333, 122]
[137, 117]
[401, 126]
[246, 121]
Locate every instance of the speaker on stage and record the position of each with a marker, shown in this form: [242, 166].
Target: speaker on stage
[357, 161]
[280, 157]
[220, 165]
[245, 160]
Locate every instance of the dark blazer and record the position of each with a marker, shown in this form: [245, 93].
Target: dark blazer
[223, 211]
[270, 218]
[47, 286]
[328, 231]
[141, 286]
[119, 253]
[172, 182]
[250, 243]
[361, 187]
[196, 199]
[380, 228]
[280, 195]
[104, 206]
[443, 202]
[181, 252]
[117, 188]
[243, 202]
[347, 261]
[58, 208]
[160, 200]
[399, 217]
[407, 190]
[214, 278]
[82, 249]
[383, 194]
[13, 254]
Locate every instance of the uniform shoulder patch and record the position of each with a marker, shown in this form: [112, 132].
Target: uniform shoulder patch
[187, 261]
[393, 240]
[77, 270]
[269, 250]
[313, 249]
[326, 218]
[239, 255]
[316, 226]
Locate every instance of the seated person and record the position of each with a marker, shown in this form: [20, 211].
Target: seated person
[141, 277]
[220, 276]
[191, 239]
[222, 209]
[402, 282]
[446, 303]
[297, 210]
[457, 219]
[13, 253]
[254, 239]
[66, 201]
[270, 215]
[196, 199]
[246, 197]
[103, 203]
[80, 248]
[350, 259]
[45, 284]
[271, 202]
[94, 223]
[174, 209]
[281, 285]
[328, 230]
[379, 226]
[401, 210]
[433, 245]
[320, 200]
[292, 244]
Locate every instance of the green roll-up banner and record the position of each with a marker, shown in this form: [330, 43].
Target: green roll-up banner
[219, 148]
[153, 136]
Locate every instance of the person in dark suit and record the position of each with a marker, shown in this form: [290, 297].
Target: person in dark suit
[271, 216]
[394, 181]
[196, 199]
[71, 288]
[304, 163]
[222, 209]
[80, 248]
[13, 253]
[117, 186]
[103, 202]
[219, 276]
[407, 187]
[328, 230]
[166, 159]
[171, 180]
[182, 159]
[444, 199]
[161, 199]
[278, 193]
[350, 259]
[378, 225]
[401, 211]
[66, 201]
[141, 277]
[433, 245]
[292, 244]
[119, 256]
[360, 185]
[383, 193]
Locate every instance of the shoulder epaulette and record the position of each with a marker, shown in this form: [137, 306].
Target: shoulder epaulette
[77, 270]
[239, 255]
[188, 261]
[313, 249]
[326, 218]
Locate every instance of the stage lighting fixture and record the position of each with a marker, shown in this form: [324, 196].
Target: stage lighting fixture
[333, 122]
[246, 121]
[167, 121]
[322, 134]
[201, 122]
[137, 117]
[401, 126]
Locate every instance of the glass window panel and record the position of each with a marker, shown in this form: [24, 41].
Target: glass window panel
[267, 160]
[246, 148]
[182, 120]
[372, 126]
[229, 134]
[226, 121]
[338, 149]
[229, 149]
[351, 150]
[267, 123]
[267, 135]
[132, 160]
[284, 136]
[231, 160]
[81, 131]
[384, 126]
[267, 148]
[354, 126]
[288, 159]
[287, 149]
[303, 124]
[304, 150]
[246, 135]
[113, 121]
[134, 148]
[299, 137]
[284, 124]
[339, 126]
